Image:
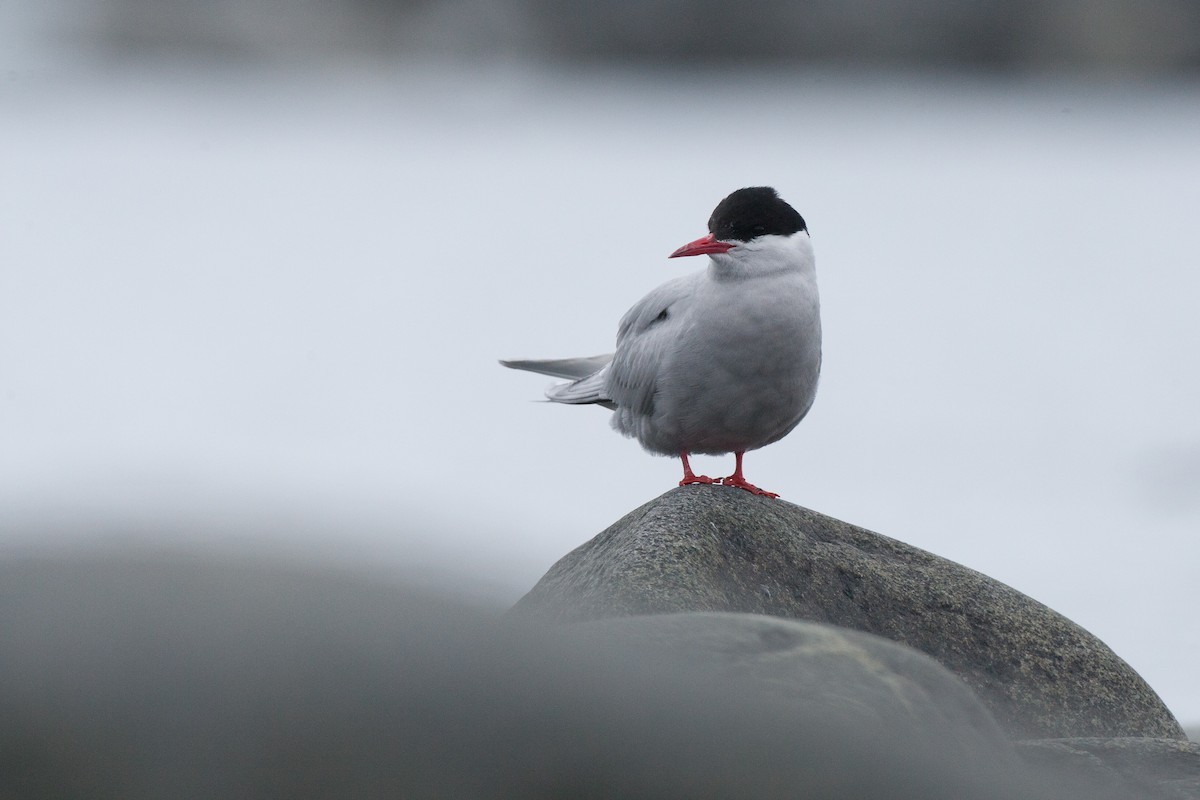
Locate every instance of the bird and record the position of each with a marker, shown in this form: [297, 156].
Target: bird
[724, 360]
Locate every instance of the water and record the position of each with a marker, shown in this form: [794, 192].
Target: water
[267, 307]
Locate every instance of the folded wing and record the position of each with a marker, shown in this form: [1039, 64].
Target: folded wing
[646, 339]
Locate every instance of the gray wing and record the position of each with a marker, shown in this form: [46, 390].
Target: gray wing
[647, 335]
[628, 378]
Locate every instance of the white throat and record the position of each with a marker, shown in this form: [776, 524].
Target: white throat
[766, 255]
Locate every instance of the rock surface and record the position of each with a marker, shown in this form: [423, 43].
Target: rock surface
[700, 548]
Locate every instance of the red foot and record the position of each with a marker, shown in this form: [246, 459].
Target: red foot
[688, 477]
[688, 480]
[741, 483]
[737, 481]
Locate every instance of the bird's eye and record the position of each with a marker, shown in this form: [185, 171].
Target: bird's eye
[759, 230]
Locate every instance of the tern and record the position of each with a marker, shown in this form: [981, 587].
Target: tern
[725, 360]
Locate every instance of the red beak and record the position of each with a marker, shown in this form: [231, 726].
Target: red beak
[703, 245]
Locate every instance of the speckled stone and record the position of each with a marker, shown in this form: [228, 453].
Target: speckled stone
[712, 548]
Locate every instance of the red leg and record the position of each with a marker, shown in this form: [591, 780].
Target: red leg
[736, 479]
[689, 477]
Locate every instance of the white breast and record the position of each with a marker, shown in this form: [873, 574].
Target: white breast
[734, 365]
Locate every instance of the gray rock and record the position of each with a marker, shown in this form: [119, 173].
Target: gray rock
[1146, 768]
[700, 548]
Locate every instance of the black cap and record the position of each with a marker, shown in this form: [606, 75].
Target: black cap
[752, 212]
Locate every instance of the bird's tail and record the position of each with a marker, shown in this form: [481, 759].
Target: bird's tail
[586, 376]
[569, 368]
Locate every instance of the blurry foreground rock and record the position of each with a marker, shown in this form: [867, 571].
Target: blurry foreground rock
[1148, 768]
[134, 677]
[1077, 705]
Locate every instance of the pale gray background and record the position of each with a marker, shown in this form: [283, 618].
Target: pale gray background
[257, 266]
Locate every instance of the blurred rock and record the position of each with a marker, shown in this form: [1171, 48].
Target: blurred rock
[133, 677]
[1131, 35]
[714, 549]
[1114, 35]
[1145, 768]
[246, 31]
[849, 32]
[869, 685]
